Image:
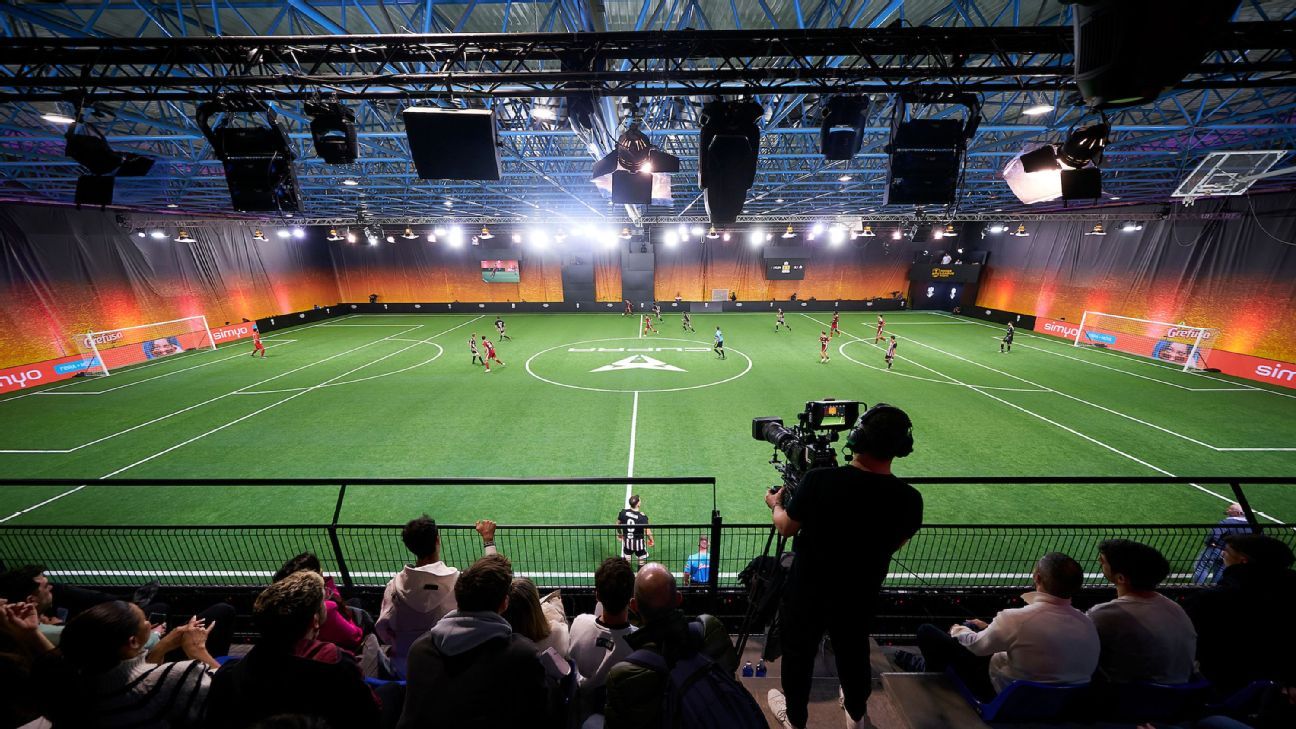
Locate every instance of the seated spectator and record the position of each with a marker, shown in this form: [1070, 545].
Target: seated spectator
[1047, 641]
[56, 603]
[422, 594]
[107, 680]
[697, 568]
[289, 670]
[1243, 623]
[597, 643]
[21, 646]
[342, 627]
[528, 618]
[1145, 636]
[471, 669]
[634, 693]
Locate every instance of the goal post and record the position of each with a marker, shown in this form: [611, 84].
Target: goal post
[1182, 345]
[112, 349]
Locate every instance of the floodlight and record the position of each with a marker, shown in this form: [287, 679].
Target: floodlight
[258, 235]
[333, 129]
[517, 237]
[756, 237]
[836, 235]
[283, 233]
[670, 238]
[1037, 109]
[333, 236]
[712, 234]
[696, 231]
[391, 239]
[817, 228]
[350, 237]
[140, 233]
[1021, 231]
[409, 234]
[949, 230]
[636, 172]
[1085, 146]
[725, 237]
[58, 119]
[868, 232]
[1097, 230]
[1130, 226]
[789, 233]
[350, 183]
[157, 235]
[897, 234]
[431, 238]
[539, 239]
[184, 237]
[439, 231]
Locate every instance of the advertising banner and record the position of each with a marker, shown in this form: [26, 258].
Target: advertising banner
[43, 373]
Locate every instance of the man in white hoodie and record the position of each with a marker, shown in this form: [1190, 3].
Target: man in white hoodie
[422, 593]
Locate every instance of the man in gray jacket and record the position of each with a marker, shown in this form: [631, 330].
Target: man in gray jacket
[421, 594]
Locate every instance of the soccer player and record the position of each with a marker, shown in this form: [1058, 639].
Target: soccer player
[1007, 339]
[499, 326]
[880, 336]
[834, 329]
[648, 326]
[686, 323]
[472, 347]
[891, 348]
[719, 343]
[490, 354]
[628, 308]
[257, 346]
[635, 533]
[779, 322]
[656, 309]
[823, 346]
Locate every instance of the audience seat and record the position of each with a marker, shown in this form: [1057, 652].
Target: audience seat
[1028, 701]
[1245, 700]
[1147, 701]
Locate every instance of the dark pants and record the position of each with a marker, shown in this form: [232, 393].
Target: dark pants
[941, 651]
[79, 599]
[804, 620]
[219, 616]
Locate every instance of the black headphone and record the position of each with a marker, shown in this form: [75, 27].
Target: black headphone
[868, 436]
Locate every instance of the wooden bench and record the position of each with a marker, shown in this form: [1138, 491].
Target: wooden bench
[929, 701]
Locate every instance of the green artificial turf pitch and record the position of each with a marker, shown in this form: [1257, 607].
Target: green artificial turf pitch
[586, 395]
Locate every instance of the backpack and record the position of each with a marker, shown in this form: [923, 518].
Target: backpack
[699, 693]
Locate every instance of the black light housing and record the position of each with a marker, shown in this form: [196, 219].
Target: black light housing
[842, 131]
[258, 158]
[633, 165]
[92, 151]
[727, 150]
[333, 129]
[1084, 146]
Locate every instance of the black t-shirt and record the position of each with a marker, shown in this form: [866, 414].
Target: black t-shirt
[852, 521]
[636, 521]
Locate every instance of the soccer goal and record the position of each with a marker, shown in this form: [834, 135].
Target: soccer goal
[115, 348]
[1176, 344]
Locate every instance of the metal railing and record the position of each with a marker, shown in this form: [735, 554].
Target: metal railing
[940, 556]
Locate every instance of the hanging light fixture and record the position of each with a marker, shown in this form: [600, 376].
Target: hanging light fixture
[409, 234]
[350, 237]
[184, 237]
[868, 232]
[560, 236]
[333, 235]
[1097, 230]
[485, 234]
[712, 234]
[258, 235]
[897, 234]
[789, 233]
[949, 230]
[625, 233]
[1021, 231]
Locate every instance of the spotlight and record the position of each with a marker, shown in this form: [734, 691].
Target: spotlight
[485, 233]
[140, 233]
[949, 230]
[842, 131]
[725, 237]
[298, 233]
[836, 235]
[619, 173]
[727, 150]
[409, 234]
[544, 113]
[607, 239]
[91, 150]
[927, 154]
[159, 235]
[448, 203]
[184, 237]
[333, 236]
[683, 232]
[350, 183]
[1130, 226]
[997, 228]
[172, 205]
[789, 233]
[539, 239]
[868, 232]
[696, 231]
[670, 238]
[350, 237]
[371, 235]
[1037, 109]
[756, 237]
[58, 119]
[258, 235]
[283, 233]
[391, 239]
[937, 233]
[897, 234]
[1085, 146]
[817, 228]
[431, 238]
[1021, 231]
[712, 234]
[257, 157]
[333, 129]
[517, 237]
[625, 234]
[1097, 230]
[844, 178]
[439, 231]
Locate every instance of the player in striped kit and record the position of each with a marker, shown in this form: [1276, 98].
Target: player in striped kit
[779, 322]
[891, 348]
[472, 347]
[635, 537]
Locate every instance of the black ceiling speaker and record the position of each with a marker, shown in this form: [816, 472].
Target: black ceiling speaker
[95, 190]
[1129, 52]
[453, 144]
[256, 153]
[842, 131]
[926, 155]
[333, 130]
[728, 148]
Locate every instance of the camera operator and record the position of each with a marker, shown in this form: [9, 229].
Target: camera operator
[847, 521]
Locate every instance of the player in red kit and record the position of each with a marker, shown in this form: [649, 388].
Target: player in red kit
[489, 349]
[880, 337]
[628, 308]
[823, 346]
[834, 329]
[257, 346]
[648, 327]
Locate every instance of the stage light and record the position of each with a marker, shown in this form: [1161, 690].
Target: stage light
[625, 234]
[431, 238]
[1085, 146]
[1021, 231]
[927, 154]
[350, 237]
[448, 203]
[683, 232]
[997, 228]
[949, 230]
[670, 238]
[725, 237]
[172, 205]
[817, 228]
[439, 231]
[607, 239]
[539, 239]
[91, 150]
[712, 234]
[868, 232]
[257, 157]
[1097, 230]
[157, 235]
[391, 239]
[778, 200]
[58, 119]
[258, 235]
[350, 183]
[844, 178]
[636, 172]
[696, 231]
[897, 234]
[517, 237]
[836, 235]
[1131, 226]
[756, 237]
[937, 233]
[789, 233]
[333, 129]
[409, 234]
[184, 237]
[140, 233]
[842, 131]
[544, 113]
[728, 146]
[333, 236]
[283, 233]
[1038, 109]
[371, 235]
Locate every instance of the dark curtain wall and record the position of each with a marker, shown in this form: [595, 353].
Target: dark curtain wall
[417, 271]
[65, 271]
[1238, 275]
[862, 269]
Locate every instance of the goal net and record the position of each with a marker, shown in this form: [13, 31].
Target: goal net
[1181, 345]
[115, 348]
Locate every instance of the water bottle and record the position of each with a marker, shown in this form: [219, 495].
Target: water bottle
[760, 669]
[747, 670]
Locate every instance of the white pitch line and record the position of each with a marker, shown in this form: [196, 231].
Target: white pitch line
[50, 500]
[1054, 423]
[634, 422]
[164, 374]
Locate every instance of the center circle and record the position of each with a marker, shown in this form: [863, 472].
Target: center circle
[631, 364]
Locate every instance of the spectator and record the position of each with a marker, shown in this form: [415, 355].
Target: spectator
[471, 670]
[697, 568]
[21, 646]
[634, 692]
[1243, 623]
[1145, 636]
[342, 626]
[1047, 641]
[528, 618]
[110, 681]
[423, 593]
[56, 603]
[825, 517]
[289, 670]
[1210, 563]
[597, 643]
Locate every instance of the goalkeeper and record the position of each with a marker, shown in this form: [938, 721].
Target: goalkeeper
[1007, 339]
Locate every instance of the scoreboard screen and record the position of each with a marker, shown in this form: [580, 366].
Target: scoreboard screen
[500, 272]
[784, 269]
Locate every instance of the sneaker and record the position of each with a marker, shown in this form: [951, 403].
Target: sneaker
[910, 662]
[863, 722]
[778, 707]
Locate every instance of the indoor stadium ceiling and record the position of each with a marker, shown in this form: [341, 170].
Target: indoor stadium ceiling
[1014, 54]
